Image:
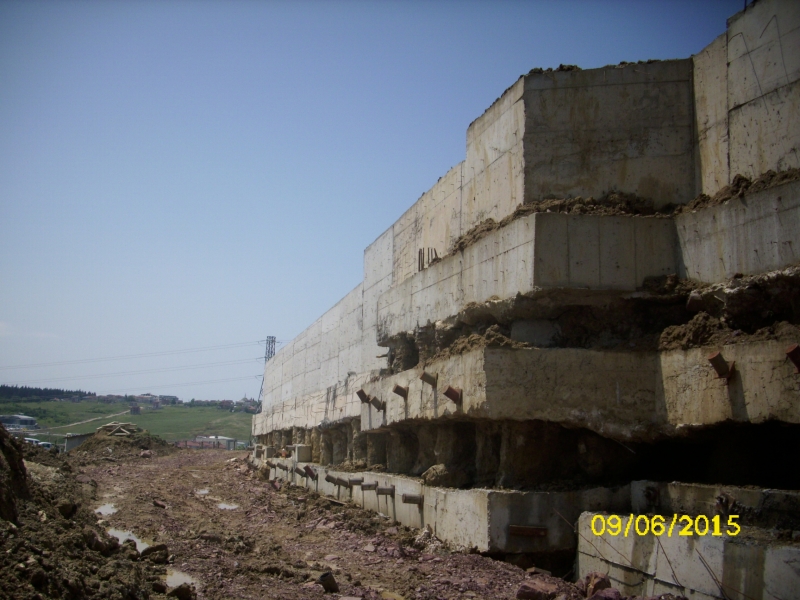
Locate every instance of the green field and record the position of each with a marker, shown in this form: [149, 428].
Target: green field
[171, 422]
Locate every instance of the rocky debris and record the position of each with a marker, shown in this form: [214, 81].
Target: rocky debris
[146, 454]
[183, 592]
[157, 553]
[705, 330]
[662, 315]
[441, 475]
[592, 583]
[104, 446]
[545, 587]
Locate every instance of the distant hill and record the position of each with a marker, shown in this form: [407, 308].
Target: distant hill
[16, 393]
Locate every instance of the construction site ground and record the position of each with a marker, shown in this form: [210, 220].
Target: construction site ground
[276, 543]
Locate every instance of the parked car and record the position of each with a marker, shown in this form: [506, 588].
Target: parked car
[45, 445]
[33, 441]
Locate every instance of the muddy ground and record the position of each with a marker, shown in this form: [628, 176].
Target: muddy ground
[275, 544]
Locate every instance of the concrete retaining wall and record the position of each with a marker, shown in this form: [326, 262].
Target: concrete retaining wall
[627, 128]
[311, 379]
[539, 251]
[711, 116]
[763, 87]
[623, 395]
[748, 566]
[747, 96]
[763, 388]
[749, 235]
[476, 518]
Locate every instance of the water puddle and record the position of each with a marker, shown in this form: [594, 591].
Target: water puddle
[105, 510]
[225, 506]
[175, 578]
[202, 492]
[128, 535]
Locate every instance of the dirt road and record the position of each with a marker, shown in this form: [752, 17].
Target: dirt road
[238, 537]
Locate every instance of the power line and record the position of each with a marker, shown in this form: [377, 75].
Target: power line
[129, 356]
[172, 385]
[139, 372]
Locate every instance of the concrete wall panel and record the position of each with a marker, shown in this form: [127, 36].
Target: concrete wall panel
[711, 115]
[763, 388]
[758, 567]
[751, 235]
[617, 128]
[763, 89]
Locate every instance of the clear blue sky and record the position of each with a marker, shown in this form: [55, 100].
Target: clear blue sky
[177, 175]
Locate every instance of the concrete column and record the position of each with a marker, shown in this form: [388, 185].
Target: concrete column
[326, 448]
[298, 435]
[339, 438]
[359, 453]
[316, 445]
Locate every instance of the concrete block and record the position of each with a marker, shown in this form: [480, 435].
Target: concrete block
[477, 518]
[628, 128]
[711, 115]
[751, 235]
[757, 565]
[301, 453]
[763, 388]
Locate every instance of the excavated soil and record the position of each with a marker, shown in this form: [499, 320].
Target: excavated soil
[495, 336]
[740, 186]
[613, 204]
[277, 543]
[705, 330]
[208, 516]
[50, 543]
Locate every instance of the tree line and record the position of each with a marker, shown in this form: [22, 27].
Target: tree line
[22, 393]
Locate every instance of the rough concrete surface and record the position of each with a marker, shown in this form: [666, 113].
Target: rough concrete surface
[604, 291]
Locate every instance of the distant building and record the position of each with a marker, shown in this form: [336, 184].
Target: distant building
[136, 409]
[18, 422]
[216, 441]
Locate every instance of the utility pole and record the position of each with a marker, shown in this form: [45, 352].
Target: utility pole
[269, 352]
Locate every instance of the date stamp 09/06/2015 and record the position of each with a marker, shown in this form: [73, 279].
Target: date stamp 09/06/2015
[658, 525]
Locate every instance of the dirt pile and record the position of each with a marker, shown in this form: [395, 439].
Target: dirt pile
[740, 186]
[107, 447]
[744, 309]
[705, 330]
[612, 204]
[494, 336]
[50, 543]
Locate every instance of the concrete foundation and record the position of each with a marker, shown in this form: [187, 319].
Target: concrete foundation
[481, 519]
